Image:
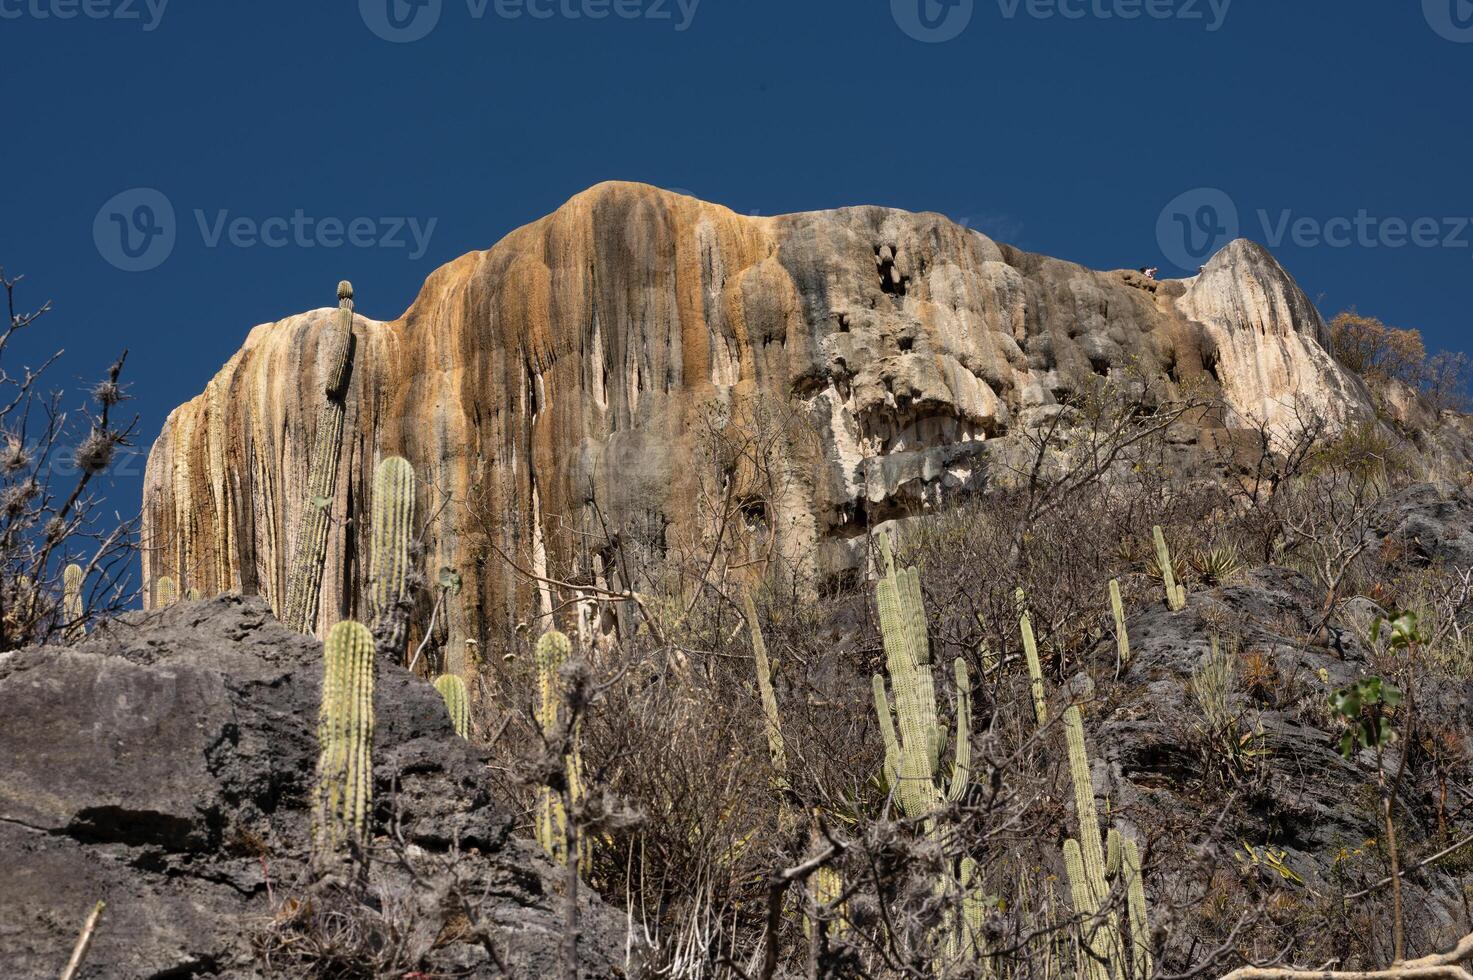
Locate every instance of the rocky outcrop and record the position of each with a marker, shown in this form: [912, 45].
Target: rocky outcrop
[164, 766]
[559, 382]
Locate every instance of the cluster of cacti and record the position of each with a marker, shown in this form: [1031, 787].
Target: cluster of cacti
[1089, 864]
[1176, 594]
[914, 763]
[1035, 666]
[1117, 610]
[551, 830]
[71, 595]
[304, 585]
[344, 787]
[457, 702]
[391, 538]
[913, 753]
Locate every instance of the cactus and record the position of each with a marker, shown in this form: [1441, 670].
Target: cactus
[1141, 963]
[1117, 609]
[345, 738]
[1035, 667]
[304, 583]
[825, 888]
[552, 651]
[1090, 892]
[457, 702]
[392, 534]
[1176, 595]
[72, 608]
[913, 757]
[772, 720]
[1096, 955]
[168, 592]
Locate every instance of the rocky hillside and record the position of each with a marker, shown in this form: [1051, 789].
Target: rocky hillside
[563, 380]
[165, 765]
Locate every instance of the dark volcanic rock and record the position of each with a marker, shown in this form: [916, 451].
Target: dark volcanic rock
[165, 764]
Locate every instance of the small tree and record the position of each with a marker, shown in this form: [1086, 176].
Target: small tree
[51, 514]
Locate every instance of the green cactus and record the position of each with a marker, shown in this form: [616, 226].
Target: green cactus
[1141, 962]
[913, 757]
[304, 582]
[457, 702]
[167, 592]
[72, 608]
[1117, 609]
[772, 720]
[1176, 595]
[345, 738]
[1035, 666]
[1096, 954]
[551, 830]
[390, 541]
[1091, 898]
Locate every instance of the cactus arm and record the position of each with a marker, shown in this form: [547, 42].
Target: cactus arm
[390, 540]
[776, 750]
[1176, 596]
[1087, 908]
[72, 606]
[1117, 610]
[1035, 666]
[457, 702]
[887, 731]
[551, 652]
[1135, 898]
[1112, 853]
[961, 772]
[1107, 939]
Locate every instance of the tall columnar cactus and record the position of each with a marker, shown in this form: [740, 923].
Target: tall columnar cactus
[772, 721]
[1176, 595]
[167, 592]
[457, 702]
[345, 740]
[1141, 963]
[913, 763]
[1090, 892]
[1035, 666]
[71, 593]
[1117, 609]
[391, 536]
[304, 576]
[552, 651]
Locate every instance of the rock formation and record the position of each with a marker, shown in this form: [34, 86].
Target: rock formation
[165, 765]
[559, 383]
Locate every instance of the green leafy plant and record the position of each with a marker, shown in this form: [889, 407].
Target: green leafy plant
[1365, 707]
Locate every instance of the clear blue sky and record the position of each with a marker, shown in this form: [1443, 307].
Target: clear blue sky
[1061, 134]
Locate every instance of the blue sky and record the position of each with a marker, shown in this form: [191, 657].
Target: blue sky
[299, 143]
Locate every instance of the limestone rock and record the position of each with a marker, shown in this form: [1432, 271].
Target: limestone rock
[164, 765]
[559, 383]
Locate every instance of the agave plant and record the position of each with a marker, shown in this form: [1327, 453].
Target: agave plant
[1217, 565]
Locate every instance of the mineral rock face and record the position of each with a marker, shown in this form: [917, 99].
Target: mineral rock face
[569, 379]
